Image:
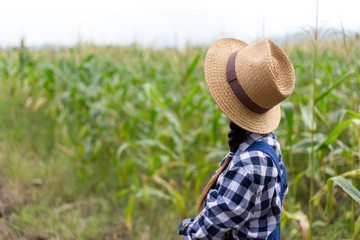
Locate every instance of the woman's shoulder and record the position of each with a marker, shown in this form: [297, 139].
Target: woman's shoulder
[256, 162]
[252, 158]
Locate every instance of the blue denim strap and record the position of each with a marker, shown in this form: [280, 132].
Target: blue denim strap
[266, 148]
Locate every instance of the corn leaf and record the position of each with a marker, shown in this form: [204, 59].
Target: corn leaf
[302, 219]
[335, 133]
[346, 186]
[335, 85]
[129, 213]
[193, 65]
[307, 115]
[356, 230]
[288, 108]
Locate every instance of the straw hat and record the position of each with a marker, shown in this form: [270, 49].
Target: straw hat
[248, 82]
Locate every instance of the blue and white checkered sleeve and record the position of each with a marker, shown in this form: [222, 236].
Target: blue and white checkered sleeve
[227, 207]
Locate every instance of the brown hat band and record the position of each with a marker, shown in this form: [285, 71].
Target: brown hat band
[237, 89]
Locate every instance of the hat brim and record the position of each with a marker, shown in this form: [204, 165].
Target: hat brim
[220, 90]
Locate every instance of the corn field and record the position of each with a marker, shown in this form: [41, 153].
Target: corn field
[140, 128]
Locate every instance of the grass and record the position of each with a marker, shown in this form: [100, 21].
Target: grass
[48, 199]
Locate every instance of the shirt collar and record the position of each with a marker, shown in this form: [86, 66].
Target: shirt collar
[250, 139]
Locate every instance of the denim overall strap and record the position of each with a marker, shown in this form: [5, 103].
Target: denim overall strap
[266, 148]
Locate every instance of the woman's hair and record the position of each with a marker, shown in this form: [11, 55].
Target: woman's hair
[235, 138]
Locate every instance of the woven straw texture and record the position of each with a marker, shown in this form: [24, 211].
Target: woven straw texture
[265, 73]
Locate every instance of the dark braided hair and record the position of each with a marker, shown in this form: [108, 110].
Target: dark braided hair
[236, 136]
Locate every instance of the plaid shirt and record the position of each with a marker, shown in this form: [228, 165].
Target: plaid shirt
[245, 199]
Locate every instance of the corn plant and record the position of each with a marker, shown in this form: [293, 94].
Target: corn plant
[141, 123]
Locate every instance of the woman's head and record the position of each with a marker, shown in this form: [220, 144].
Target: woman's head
[248, 82]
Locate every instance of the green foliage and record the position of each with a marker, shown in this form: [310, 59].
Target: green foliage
[141, 122]
[346, 186]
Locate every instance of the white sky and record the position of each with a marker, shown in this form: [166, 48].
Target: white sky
[165, 22]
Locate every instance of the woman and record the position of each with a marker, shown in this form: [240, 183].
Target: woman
[244, 197]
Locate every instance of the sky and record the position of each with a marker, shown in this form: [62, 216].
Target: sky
[165, 22]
